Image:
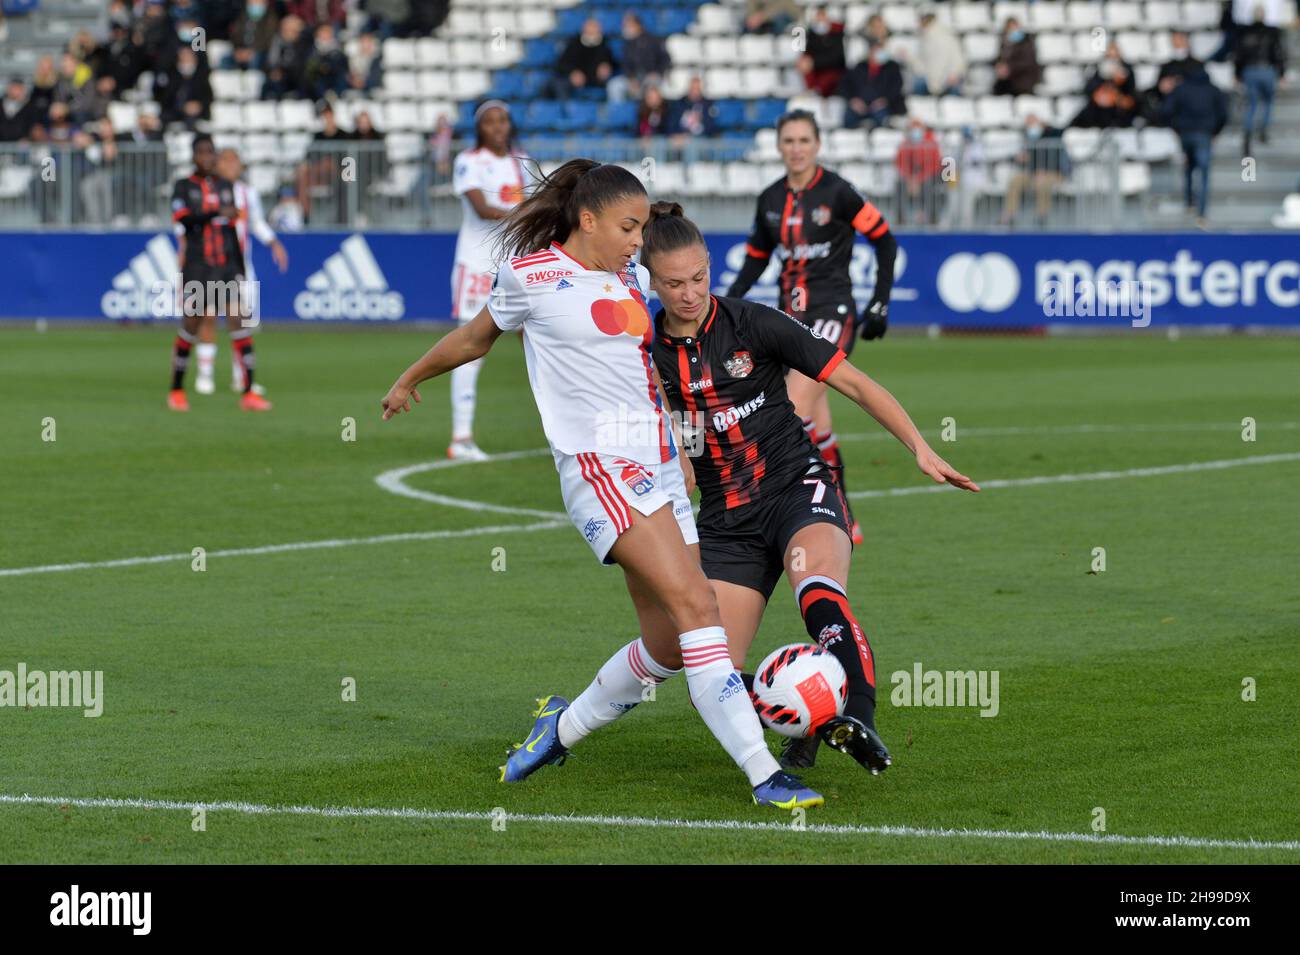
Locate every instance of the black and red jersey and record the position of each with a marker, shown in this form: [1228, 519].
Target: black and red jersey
[814, 228]
[726, 384]
[210, 238]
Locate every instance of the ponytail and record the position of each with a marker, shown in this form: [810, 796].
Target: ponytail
[551, 212]
[667, 231]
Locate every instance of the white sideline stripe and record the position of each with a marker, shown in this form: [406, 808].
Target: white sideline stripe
[283, 548]
[559, 520]
[1091, 476]
[643, 822]
[879, 435]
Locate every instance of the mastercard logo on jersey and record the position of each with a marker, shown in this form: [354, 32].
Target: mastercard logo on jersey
[511, 195]
[618, 316]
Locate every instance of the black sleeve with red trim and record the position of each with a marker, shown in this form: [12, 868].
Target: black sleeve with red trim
[758, 250]
[182, 211]
[868, 220]
[783, 338]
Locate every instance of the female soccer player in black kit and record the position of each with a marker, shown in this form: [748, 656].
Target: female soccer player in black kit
[814, 216]
[768, 501]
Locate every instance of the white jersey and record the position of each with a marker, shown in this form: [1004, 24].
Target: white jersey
[503, 182]
[587, 341]
[252, 220]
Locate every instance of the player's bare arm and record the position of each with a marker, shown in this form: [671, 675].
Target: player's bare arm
[462, 345]
[876, 401]
[481, 206]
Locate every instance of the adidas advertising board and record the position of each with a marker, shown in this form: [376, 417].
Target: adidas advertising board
[1139, 280]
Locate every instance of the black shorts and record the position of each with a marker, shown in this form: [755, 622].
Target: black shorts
[218, 289]
[836, 323]
[751, 553]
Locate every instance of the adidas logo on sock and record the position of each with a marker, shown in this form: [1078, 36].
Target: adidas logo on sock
[733, 686]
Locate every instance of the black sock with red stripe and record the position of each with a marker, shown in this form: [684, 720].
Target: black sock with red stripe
[831, 624]
[181, 358]
[242, 350]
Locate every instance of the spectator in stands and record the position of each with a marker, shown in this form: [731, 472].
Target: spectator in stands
[220, 15]
[920, 182]
[147, 167]
[1260, 62]
[653, 115]
[770, 16]
[287, 214]
[876, 29]
[1197, 110]
[941, 65]
[17, 114]
[1112, 69]
[694, 115]
[1042, 164]
[372, 163]
[313, 13]
[365, 128]
[120, 57]
[185, 94]
[91, 102]
[251, 35]
[1016, 67]
[388, 17]
[320, 169]
[1172, 72]
[59, 128]
[366, 68]
[286, 61]
[157, 32]
[645, 60]
[326, 70]
[1112, 94]
[823, 63]
[873, 90]
[972, 176]
[73, 75]
[440, 146]
[585, 64]
[96, 183]
[45, 86]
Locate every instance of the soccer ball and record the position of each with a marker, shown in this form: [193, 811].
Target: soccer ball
[799, 687]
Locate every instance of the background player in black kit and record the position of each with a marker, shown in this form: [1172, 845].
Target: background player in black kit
[768, 502]
[212, 271]
[814, 216]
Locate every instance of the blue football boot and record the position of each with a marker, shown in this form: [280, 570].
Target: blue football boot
[543, 744]
[785, 791]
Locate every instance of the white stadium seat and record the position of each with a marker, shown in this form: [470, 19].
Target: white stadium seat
[885, 143]
[715, 20]
[261, 147]
[1083, 14]
[686, 50]
[924, 108]
[431, 51]
[294, 146]
[765, 146]
[261, 115]
[1047, 16]
[720, 51]
[1081, 144]
[122, 116]
[1055, 48]
[435, 84]
[956, 112]
[850, 145]
[900, 19]
[226, 116]
[968, 17]
[1001, 144]
[466, 21]
[995, 111]
[226, 84]
[1004, 9]
[264, 178]
[533, 23]
[743, 178]
[400, 84]
[1159, 144]
[1162, 14]
[723, 82]
[403, 147]
[399, 54]
[1134, 178]
[759, 81]
[1134, 46]
[470, 84]
[398, 115]
[1060, 78]
[1124, 15]
[1039, 106]
[1067, 107]
[980, 47]
[669, 179]
[1200, 15]
[754, 47]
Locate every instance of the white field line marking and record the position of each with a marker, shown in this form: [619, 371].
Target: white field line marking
[562, 521]
[282, 548]
[1091, 476]
[395, 483]
[1013, 431]
[643, 822]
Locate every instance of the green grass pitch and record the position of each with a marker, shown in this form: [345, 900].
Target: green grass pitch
[1120, 691]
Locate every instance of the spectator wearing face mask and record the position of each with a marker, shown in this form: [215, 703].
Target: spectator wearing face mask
[251, 35]
[1112, 95]
[1172, 72]
[1260, 64]
[822, 63]
[1016, 66]
[1042, 165]
[585, 64]
[941, 65]
[920, 182]
[873, 90]
[327, 65]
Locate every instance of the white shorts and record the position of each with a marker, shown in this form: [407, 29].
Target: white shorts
[470, 291]
[600, 490]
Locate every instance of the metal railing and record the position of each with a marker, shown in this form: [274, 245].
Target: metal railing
[404, 182]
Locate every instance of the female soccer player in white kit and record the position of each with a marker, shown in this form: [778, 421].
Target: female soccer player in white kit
[490, 180]
[573, 288]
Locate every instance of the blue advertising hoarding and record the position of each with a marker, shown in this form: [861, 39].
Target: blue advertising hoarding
[976, 280]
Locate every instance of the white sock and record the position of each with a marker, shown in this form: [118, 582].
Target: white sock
[464, 389]
[236, 371]
[206, 352]
[619, 685]
[719, 694]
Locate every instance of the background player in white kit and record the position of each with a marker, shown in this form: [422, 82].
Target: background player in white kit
[490, 180]
[251, 220]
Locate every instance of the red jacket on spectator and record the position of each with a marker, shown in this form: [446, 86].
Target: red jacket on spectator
[314, 12]
[919, 162]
